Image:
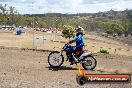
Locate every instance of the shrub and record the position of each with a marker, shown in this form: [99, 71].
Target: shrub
[68, 31]
[104, 51]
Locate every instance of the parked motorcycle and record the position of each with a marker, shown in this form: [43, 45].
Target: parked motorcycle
[85, 58]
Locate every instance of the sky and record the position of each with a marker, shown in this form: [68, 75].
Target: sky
[67, 6]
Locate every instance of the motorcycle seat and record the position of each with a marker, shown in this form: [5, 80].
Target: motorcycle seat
[79, 53]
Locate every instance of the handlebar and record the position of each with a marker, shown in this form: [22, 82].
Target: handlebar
[67, 44]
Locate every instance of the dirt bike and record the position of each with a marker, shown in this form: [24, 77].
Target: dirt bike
[85, 58]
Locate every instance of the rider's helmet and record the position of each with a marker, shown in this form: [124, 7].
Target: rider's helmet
[79, 30]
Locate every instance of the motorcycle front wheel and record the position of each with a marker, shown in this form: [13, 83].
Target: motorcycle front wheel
[55, 60]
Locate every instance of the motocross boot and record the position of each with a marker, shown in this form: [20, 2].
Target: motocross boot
[71, 61]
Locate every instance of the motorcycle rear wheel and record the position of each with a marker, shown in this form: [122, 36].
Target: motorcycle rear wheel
[89, 63]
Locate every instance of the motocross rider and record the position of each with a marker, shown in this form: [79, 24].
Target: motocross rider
[79, 45]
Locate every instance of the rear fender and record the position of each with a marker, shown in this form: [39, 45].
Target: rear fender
[86, 54]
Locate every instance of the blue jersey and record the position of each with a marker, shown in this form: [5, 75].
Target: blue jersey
[79, 41]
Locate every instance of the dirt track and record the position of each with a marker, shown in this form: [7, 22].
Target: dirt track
[29, 69]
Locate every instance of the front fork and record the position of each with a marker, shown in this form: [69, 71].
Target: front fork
[60, 53]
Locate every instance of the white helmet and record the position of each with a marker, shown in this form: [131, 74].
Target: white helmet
[79, 29]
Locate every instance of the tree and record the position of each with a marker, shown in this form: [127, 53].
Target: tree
[3, 9]
[125, 25]
[68, 31]
[118, 28]
[8, 13]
